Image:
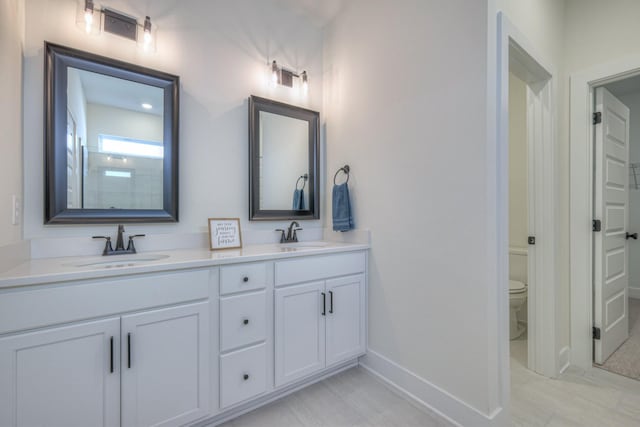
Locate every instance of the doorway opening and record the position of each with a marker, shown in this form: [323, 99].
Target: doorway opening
[605, 287]
[616, 255]
[520, 207]
[527, 201]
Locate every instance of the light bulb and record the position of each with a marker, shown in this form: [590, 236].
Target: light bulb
[147, 31]
[305, 83]
[88, 15]
[274, 73]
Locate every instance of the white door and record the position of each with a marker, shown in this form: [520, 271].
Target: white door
[165, 360]
[611, 206]
[68, 376]
[300, 313]
[345, 318]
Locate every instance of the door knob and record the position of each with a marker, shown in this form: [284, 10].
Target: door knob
[633, 236]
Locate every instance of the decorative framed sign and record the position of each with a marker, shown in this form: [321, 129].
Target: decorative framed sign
[224, 233]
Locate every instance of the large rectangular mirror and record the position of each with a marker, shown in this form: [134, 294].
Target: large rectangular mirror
[283, 157]
[111, 140]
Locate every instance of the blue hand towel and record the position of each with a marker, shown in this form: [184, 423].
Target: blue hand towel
[298, 200]
[342, 216]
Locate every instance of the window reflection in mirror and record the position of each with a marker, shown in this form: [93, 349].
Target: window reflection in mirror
[284, 159]
[114, 142]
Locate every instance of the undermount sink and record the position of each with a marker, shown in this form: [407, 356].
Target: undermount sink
[115, 261]
[303, 245]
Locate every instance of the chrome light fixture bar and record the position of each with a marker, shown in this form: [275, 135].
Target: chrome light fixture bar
[284, 77]
[96, 19]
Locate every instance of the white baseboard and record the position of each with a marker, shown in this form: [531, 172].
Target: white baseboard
[634, 292]
[564, 358]
[423, 393]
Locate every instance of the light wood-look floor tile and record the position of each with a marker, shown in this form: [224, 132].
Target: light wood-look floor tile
[351, 398]
[576, 398]
[356, 398]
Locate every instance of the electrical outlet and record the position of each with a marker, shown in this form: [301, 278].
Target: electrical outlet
[15, 210]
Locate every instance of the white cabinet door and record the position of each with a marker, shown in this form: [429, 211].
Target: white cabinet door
[299, 331]
[67, 376]
[345, 318]
[165, 366]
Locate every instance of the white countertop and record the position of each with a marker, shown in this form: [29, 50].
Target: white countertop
[52, 270]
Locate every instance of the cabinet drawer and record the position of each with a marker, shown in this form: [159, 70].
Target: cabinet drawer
[33, 308]
[243, 375]
[243, 320]
[243, 277]
[319, 267]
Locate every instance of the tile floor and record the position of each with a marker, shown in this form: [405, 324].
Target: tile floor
[356, 398]
[589, 399]
[351, 398]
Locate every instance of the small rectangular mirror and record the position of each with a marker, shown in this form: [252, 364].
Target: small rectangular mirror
[283, 155]
[111, 140]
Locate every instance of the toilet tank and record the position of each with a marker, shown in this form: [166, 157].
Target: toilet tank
[518, 264]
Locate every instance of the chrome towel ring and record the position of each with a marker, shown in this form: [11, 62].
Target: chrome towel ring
[345, 169]
[304, 177]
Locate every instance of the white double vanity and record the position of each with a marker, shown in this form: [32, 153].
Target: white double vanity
[188, 337]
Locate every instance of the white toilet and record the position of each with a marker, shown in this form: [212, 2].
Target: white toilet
[517, 299]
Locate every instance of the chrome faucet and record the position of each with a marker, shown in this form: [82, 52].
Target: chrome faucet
[120, 249]
[291, 236]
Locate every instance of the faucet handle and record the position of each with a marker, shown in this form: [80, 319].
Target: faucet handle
[295, 234]
[107, 246]
[130, 246]
[282, 238]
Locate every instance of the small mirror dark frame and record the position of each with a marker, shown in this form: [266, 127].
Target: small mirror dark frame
[256, 105]
[57, 60]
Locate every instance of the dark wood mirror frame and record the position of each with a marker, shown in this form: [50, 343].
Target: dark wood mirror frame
[256, 105]
[57, 60]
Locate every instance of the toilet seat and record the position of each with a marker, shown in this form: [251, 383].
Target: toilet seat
[517, 287]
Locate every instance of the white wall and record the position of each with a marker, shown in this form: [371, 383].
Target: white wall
[11, 33]
[632, 101]
[518, 166]
[220, 51]
[405, 103]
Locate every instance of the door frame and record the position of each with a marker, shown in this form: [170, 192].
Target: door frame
[515, 51]
[582, 86]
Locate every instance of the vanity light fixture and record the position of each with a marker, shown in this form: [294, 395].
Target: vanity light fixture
[95, 19]
[284, 77]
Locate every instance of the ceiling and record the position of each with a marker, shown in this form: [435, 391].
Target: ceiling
[320, 12]
[119, 93]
